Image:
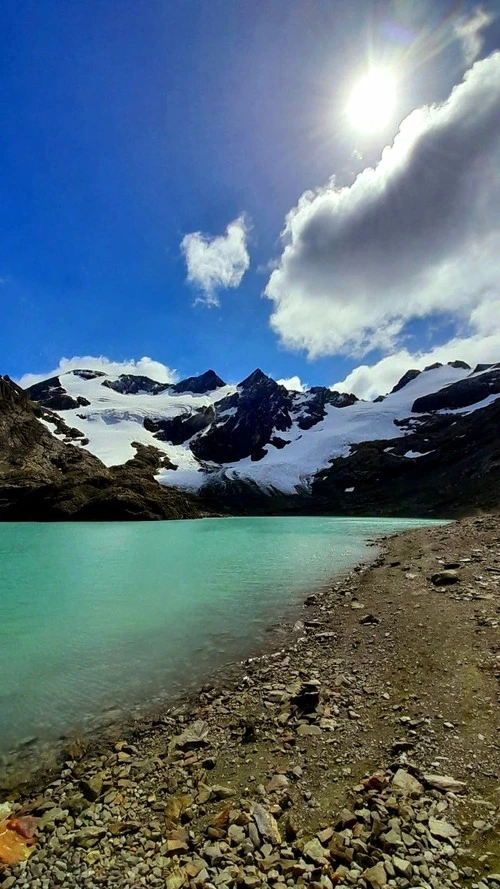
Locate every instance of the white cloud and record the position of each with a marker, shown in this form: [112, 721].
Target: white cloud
[216, 263]
[145, 366]
[469, 31]
[368, 381]
[414, 237]
[295, 384]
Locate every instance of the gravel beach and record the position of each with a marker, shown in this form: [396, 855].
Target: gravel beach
[364, 752]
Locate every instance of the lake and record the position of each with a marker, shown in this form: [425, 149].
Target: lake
[97, 617]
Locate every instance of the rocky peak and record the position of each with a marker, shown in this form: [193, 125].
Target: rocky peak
[311, 408]
[460, 394]
[257, 378]
[459, 364]
[11, 393]
[132, 384]
[405, 379]
[199, 385]
[245, 421]
[51, 394]
[87, 374]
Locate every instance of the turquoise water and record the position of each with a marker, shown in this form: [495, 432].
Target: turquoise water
[101, 616]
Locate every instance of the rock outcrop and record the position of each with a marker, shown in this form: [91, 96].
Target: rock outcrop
[461, 394]
[246, 421]
[199, 385]
[43, 478]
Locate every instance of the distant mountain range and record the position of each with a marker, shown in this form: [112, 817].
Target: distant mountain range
[430, 446]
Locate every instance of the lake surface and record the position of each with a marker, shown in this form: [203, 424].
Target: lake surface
[99, 616]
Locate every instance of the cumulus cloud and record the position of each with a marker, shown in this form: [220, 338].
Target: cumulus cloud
[469, 31]
[295, 384]
[145, 366]
[368, 381]
[216, 263]
[413, 237]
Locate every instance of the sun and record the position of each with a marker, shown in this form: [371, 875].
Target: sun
[371, 103]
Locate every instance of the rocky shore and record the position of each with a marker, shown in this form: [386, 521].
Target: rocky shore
[366, 752]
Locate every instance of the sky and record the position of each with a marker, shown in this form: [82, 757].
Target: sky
[183, 186]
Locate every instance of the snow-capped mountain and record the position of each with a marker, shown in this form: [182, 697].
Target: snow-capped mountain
[208, 433]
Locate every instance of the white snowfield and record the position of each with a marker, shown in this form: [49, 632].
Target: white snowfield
[113, 421]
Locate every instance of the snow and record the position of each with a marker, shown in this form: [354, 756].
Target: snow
[414, 454]
[50, 427]
[113, 421]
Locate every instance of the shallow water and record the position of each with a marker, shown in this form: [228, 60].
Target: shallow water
[99, 616]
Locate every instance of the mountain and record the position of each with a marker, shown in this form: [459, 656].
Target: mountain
[43, 476]
[429, 445]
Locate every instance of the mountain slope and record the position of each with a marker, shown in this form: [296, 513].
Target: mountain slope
[256, 442]
[42, 477]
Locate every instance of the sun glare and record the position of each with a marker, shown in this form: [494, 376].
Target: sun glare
[371, 103]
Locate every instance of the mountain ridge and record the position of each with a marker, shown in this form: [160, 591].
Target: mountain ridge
[259, 446]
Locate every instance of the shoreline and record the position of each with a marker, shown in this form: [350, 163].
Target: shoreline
[278, 636]
[19, 768]
[389, 673]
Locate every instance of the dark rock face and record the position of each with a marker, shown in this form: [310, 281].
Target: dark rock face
[311, 409]
[51, 394]
[459, 470]
[405, 379]
[460, 394]
[42, 478]
[245, 421]
[131, 384]
[206, 382]
[480, 367]
[88, 374]
[434, 366]
[460, 364]
[179, 429]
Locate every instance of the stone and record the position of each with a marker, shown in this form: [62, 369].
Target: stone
[176, 878]
[306, 730]
[444, 783]
[193, 737]
[325, 835]
[402, 866]
[92, 787]
[444, 578]
[266, 823]
[315, 851]
[88, 836]
[375, 876]
[175, 808]
[222, 792]
[406, 783]
[277, 783]
[236, 834]
[442, 829]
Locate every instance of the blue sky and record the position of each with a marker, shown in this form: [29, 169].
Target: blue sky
[127, 127]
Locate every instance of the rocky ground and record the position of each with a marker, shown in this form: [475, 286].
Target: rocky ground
[365, 753]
